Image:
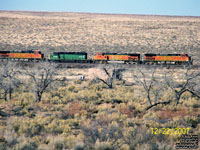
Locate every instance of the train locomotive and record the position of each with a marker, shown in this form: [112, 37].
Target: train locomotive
[22, 55]
[82, 57]
[178, 59]
[125, 57]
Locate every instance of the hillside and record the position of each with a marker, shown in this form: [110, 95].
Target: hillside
[51, 31]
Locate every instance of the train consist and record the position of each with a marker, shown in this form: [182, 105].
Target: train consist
[82, 57]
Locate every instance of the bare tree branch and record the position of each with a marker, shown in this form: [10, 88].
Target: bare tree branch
[153, 86]
[8, 78]
[42, 76]
[158, 103]
[111, 74]
[189, 81]
[146, 82]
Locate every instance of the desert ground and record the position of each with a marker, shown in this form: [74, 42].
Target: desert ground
[103, 111]
[92, 33]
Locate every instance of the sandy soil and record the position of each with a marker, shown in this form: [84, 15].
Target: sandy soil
[54, 31]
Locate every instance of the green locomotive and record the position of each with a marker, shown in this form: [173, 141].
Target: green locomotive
[69, 56]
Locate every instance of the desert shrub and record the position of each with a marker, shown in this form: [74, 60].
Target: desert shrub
[79, 146]
[147, 146]
[10, 137]
[103, 145]
[56, 126]
[127, 110]
[28, 145]
[74, 107]
[93, 82]
[28, 127]
[72, 141]
[97, 134]
[57, 143]
[71, 88]
[164, 146]
[32, 129]
[96, 87]
[29, 111]
[78, 81]
[56, 100]
[26, 98]
[141, 135]
[192, 122]
[3, 143]
[196, 105]
[90, 116]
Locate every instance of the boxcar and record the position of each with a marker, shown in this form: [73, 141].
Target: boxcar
[125, 57]
[167, 58]
[68, 56]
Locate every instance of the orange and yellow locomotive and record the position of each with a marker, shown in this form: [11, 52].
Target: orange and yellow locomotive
[126, 57]
[21, 55]
[167, 58]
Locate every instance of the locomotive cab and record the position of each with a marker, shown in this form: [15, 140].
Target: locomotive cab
[101, 57]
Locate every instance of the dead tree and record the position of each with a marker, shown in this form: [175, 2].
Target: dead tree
[8, 78]
[146, 83]
[188, 83]
[153, 86]
[194, 87]
[111, 74]
[42, 75]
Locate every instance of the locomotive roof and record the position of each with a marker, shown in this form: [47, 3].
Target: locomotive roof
[27, 51]
[131, 54]
[80, 53]
[151, 54]
[4, 51]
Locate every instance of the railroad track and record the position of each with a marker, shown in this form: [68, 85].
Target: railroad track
[126, 66]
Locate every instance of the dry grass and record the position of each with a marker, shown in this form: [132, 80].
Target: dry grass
[86, 114]
[98, 32]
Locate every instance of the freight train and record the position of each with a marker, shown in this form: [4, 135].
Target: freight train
[82, 57]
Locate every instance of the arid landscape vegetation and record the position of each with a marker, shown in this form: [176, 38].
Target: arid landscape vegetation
[44, 107]
[98, 32]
